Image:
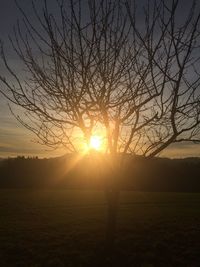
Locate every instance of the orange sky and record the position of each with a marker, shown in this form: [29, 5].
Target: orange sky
[16, 140]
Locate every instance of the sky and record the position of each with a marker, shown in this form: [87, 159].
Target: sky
[17, 140]
[14, 138]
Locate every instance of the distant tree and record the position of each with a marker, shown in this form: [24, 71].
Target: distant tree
[131, 71]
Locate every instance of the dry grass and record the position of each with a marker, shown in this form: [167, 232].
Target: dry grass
[66, 228]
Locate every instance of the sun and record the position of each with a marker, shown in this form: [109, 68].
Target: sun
[95, 142]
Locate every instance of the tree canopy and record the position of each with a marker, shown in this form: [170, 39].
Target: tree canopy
[129, 71]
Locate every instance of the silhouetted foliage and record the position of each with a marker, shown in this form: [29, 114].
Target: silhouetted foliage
[139, 174]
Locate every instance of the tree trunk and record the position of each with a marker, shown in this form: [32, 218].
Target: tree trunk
[112, 197]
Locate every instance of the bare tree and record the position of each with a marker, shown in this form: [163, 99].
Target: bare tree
[109, 64]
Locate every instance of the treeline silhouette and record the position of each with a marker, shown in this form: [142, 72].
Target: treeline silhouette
[94, 172]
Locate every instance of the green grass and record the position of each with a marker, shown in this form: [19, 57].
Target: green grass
[66, 228]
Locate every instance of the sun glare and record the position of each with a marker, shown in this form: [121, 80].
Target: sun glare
[95, 142]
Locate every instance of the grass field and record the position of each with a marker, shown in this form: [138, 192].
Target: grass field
[66, 228]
